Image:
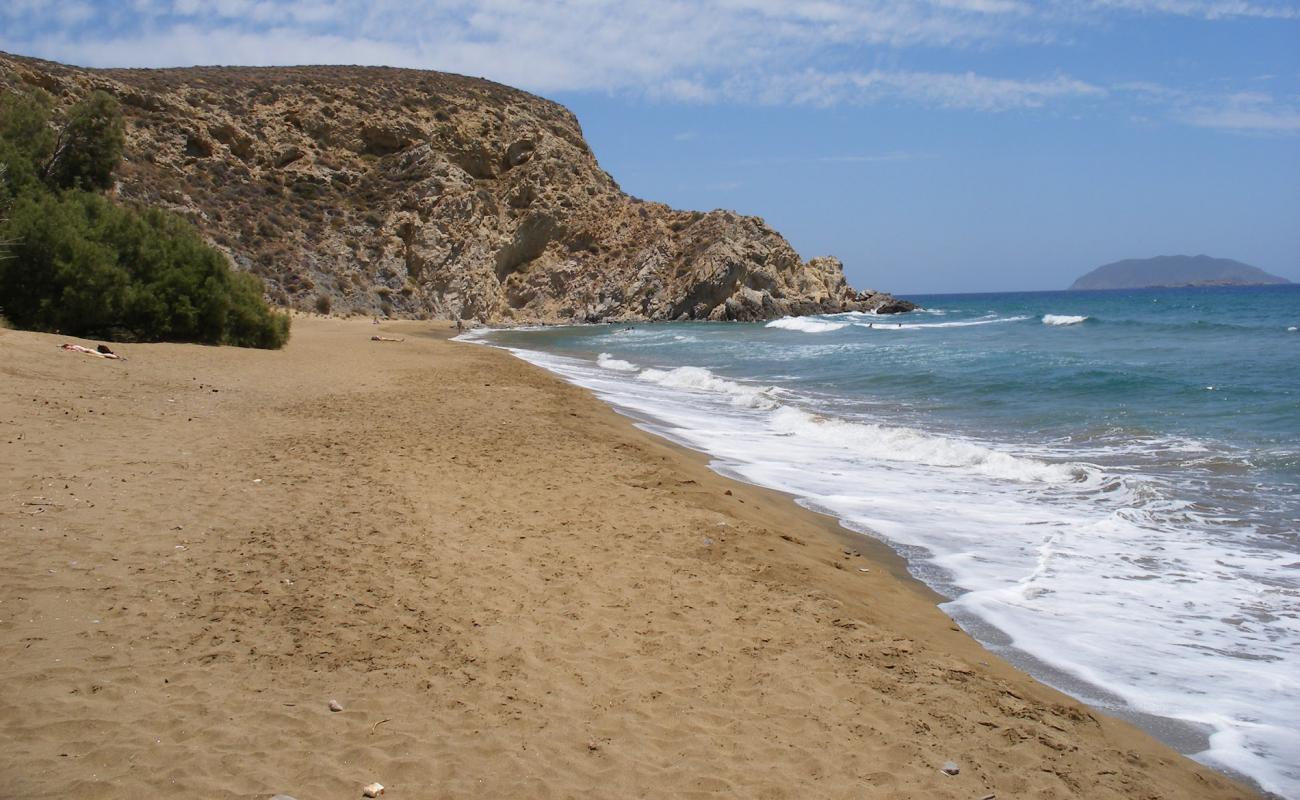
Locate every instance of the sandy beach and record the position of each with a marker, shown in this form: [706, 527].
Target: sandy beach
[509, 589]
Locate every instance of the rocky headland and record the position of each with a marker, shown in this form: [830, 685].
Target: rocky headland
[426, 194]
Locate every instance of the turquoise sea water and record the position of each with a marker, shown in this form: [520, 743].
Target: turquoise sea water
[1106, 484]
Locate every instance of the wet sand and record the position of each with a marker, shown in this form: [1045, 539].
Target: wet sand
[511, 591]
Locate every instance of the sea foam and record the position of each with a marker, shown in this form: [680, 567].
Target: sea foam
[895, 444]
[609, 362]
[806, 325]
[1063, 319]
[912, 326]
[1044, 549]
[1086, 504]
[702, 380]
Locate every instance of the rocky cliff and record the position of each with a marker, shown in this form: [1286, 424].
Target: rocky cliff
[354, 189]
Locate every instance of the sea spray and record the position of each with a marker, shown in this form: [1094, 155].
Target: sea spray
[806, 325]
[609, 362]
[1064, 319]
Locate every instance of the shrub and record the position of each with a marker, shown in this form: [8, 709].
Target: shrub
[76, 263]
[86, 267]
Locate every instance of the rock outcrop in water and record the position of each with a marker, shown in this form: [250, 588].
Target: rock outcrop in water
[1172, 271]
[352, 189]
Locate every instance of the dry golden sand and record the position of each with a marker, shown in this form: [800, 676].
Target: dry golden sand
[511, 591]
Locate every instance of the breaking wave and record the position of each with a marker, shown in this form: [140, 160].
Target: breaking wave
[806, 325]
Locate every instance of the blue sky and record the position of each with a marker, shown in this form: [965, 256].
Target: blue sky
[933, 145]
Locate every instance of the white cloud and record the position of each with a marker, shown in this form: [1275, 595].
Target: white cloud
[776, 52]
[877, 158]
[891, 157]
[674, 49]
[1251, 112]
[965, 90]
[188, 44]
[1206, 9]
[685, 90]
[1246, 112]
[18, 9]
[75, 13]
[638, 38]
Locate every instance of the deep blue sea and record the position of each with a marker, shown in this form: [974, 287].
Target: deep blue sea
[1106, 484]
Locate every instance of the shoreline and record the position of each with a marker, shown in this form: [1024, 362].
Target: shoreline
[511, 589]
[1186, 737]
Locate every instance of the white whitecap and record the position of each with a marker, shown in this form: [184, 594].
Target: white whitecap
[805, 325]
[609, 362]
[702, 380]
[1033, 540]
[910, 326]
[901, 444]
[1063, 319]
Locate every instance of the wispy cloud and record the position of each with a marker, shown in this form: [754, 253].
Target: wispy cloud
[935, 89]
[677, 47]
[766, 52]
[648, 35]
[1205, 9]
[891, 157]
[876, 158]
[1248, 112]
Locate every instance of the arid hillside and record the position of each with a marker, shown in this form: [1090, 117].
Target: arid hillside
[424, 194]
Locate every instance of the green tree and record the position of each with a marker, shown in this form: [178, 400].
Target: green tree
[72, 261]
[84, 266]
[61, 275]
[26, 142]
[88, 147]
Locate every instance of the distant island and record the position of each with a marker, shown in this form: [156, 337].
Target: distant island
[1172, 271]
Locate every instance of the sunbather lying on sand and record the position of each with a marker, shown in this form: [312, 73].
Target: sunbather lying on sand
[102, 352]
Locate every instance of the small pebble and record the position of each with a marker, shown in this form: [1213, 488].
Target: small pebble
[336, 705]
[373, 790]
[951, 768]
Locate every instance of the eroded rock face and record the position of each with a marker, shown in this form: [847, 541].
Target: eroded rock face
[428, 194]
